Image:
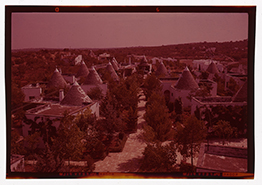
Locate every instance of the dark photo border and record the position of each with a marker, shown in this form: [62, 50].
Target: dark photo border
[251, 10]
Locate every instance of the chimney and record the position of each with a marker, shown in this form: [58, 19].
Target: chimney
[129, 60]
[61, 95]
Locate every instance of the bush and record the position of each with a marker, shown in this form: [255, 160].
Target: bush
[95, 148]
[185, 167]
[121, 135]
[159, 158]
[119, 144]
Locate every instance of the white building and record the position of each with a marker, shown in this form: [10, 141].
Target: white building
[74, 102]
[202, 65]
[239, 99]
[32, 92]
[182, 87]
[77, 60]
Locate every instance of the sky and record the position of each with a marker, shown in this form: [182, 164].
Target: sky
[107, 30]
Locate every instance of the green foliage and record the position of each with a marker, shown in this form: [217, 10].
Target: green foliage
[84, 120]
[197, 113]
[189, 136]
[130, 118]
[16, 145]
[31, 143]
[119, 107]
[17, 96]
[232, 86]
[236, 116]
[95, 148]
[205, 89]
[178, 106]
[204, 75]
[185, 167]
[151, 84]
[95, 93]
[224, 131]
[157, 117]
[109, 109]
[68, 143]
[44, 127]
[48, 162]
[159, 158]
[149, 135]
[90, 166]
[47, 130]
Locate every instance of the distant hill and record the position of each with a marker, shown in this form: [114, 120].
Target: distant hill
[216, 50]
[202, 50]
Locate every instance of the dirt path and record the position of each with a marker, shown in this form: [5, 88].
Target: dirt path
[129, 159]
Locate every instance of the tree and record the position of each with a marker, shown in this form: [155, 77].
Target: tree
[235, 115]
[17, 96]
[109, 109]
[151, 84]
[224, 131]
[31, 143]
[84, 120]
[68, 143]
[47, 162]
[119, 107]
[204, 75]
[197, 113]
[47, 130]
[232, 86]
[95, 93]
[157, 117]
[204, 90]
[189, 136]
[178, 106]
[158, 158]
[94, 147]
[130, 118]
[16, 146]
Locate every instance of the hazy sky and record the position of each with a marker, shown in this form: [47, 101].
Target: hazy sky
[105, 30]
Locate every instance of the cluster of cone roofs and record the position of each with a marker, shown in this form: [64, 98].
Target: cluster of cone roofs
[76, 95]
[187, 82]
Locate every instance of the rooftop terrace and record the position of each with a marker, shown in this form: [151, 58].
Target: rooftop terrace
[55, 109]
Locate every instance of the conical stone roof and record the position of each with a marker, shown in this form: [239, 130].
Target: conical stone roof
[111, 70]
[57, 80]
[186, 81]
[83, 70]
[93, 78]
[161, 70]
[212, 68]
[115, 64]
[91, 54]
[143, 61]
[241, 94]
[76, 96]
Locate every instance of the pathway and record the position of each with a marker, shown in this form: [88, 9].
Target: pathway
[129, 159]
